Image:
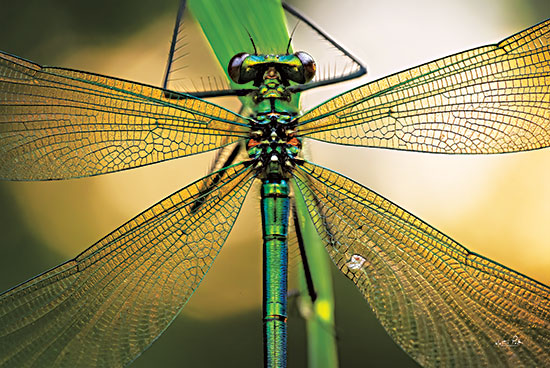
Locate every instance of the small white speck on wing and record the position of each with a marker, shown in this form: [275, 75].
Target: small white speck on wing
[356, 262]
[514, 341]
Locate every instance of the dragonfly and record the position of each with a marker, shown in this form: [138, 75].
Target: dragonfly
[397, 261]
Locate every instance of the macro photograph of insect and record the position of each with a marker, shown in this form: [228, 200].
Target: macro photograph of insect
[254, 183]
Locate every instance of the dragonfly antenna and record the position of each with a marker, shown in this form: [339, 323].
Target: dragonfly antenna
[253, 44]
[291, 35]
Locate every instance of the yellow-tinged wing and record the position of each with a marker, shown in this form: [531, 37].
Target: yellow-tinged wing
[58, 123]
[444, 305]
[106, 306]
[490, 99]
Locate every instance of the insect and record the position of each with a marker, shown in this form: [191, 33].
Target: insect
[353, 262]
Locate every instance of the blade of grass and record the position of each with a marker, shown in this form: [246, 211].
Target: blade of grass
[319, 313]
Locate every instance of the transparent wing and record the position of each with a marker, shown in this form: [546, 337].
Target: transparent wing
[59, 123]
[487, 100]
[334, 63]
[444, 305]
[110, 303]
[192, 65]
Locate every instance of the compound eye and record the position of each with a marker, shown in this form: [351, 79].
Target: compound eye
[309, 66]
[234, 68]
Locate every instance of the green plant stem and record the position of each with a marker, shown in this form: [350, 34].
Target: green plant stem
[319, 313]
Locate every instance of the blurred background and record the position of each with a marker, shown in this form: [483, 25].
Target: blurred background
[497, 206]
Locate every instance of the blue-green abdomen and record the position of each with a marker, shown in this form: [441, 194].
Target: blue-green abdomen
[275, 204]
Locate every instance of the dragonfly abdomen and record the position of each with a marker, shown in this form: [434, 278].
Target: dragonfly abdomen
[275, 205]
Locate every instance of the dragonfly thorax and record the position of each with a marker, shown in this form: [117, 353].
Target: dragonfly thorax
[274, 148]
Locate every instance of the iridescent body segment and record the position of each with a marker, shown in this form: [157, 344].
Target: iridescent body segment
[275, 205]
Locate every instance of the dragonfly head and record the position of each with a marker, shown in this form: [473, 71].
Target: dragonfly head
[272, 71]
